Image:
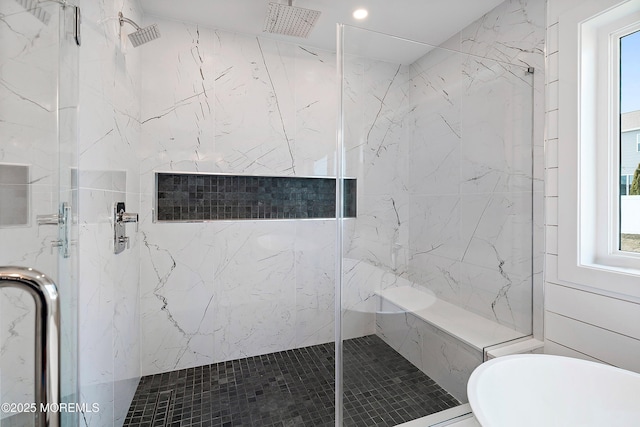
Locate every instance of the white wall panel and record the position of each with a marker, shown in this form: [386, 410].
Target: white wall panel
[551, 347]
[578, 323]
[610, 347]
[595, 309]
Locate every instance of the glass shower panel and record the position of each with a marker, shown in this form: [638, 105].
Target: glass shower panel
[68, 257]
[38, 100]
[437, 265]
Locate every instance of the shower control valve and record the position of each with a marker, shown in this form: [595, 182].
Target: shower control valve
[120, 218]
[128, 217]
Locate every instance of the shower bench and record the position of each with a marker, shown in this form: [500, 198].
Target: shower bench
[443, 340]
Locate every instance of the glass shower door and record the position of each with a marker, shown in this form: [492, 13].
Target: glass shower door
[38, 156]
[437, 265]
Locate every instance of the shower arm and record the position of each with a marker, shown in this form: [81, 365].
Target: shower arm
[122, 20]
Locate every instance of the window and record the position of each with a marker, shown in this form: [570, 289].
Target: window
[598, 149]
[628, 45]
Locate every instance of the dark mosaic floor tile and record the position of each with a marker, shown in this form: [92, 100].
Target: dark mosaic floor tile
[291, 388]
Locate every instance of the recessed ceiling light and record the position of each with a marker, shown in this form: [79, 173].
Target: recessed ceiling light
[360, 13]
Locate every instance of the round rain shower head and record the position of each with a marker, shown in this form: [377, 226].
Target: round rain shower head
[141, 35]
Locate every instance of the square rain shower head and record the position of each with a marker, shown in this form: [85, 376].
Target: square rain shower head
[32, 6]
[290, 20]
[144, 35]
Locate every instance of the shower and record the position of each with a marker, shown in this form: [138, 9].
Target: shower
[252, 294]
[141, 35]
[32, 6]
[290, 20]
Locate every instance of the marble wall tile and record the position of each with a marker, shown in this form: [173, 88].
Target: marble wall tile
[315, 253]
[496, 111]
[513, 32]
[17, 349]
[446, 360]
[401, 330]
[262, 108]
[255, 307]
[449, 362]
[487, 292]
[96, 323]
[255, 108]
[435, 123]
[435, 226]
[316, 104]
[413, 135]
[108, 139]
[379, 236]
[472, 130]
[361, 281]
[376, 243]
[496, 230]
[178, 99]
[176, 297]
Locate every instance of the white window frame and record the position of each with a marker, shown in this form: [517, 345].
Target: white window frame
[588, 202]
[638, 142]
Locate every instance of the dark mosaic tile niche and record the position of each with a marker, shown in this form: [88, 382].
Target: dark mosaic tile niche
[291, 388]
[205, 197]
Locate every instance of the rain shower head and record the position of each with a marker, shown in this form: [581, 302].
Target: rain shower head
[33, 7]
[290, 20]
[141, 35]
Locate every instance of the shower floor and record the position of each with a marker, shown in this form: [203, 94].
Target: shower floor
[291, 388]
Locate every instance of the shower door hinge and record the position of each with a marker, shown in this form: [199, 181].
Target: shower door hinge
[63, 220]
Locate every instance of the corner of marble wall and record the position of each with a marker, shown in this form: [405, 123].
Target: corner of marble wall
[109, 137]
[512, 33]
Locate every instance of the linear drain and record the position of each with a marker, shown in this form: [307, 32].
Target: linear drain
[163, 409]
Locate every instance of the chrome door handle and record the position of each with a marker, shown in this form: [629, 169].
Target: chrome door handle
[47, 346]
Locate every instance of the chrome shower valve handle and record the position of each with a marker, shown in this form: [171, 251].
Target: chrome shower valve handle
[120, 217]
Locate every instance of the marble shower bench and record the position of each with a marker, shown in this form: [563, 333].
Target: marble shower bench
[443, 340]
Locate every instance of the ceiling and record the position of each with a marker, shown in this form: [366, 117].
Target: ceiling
[427, 21]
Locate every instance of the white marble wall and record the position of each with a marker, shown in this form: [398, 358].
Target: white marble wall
[469, 191]
[429, 207]
[109, 134]
[445, 359]
[473, 179]
[28, 135]
[376, 108]
[214, 101]
[451, 206]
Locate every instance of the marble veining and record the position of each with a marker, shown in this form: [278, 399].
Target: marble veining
[108, 170]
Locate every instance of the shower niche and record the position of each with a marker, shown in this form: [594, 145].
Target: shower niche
[210, 197]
